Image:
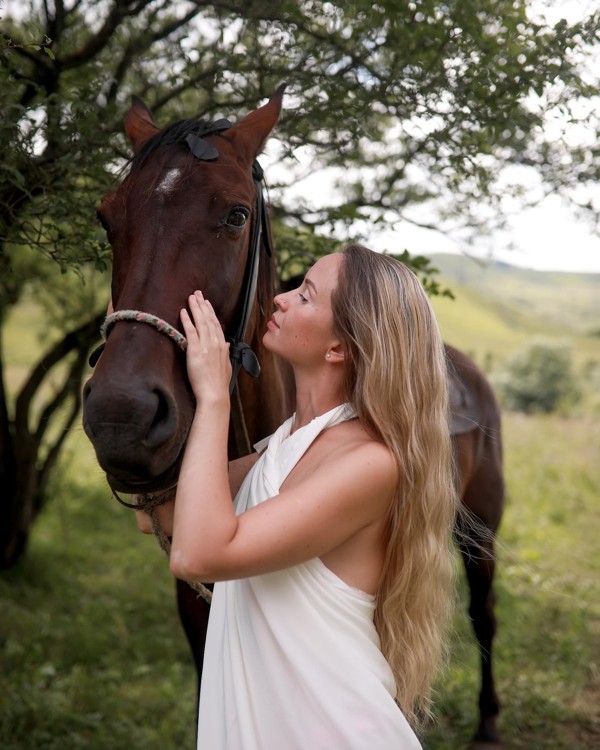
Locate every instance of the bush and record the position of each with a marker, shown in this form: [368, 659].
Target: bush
[538, 378]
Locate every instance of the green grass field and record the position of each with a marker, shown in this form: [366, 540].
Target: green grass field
[92, 654]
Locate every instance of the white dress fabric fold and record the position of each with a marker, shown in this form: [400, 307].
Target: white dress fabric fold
[292, 659]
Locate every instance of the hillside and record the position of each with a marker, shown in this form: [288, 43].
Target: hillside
[566, 300]
[499, 308]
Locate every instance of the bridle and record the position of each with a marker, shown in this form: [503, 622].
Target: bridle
[240, 353]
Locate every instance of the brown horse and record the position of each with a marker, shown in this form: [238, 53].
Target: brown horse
[475, 423]
[189, 215]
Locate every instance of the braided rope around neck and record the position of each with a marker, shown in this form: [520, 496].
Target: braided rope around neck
[138, 316]
[165, 545]
[149, 503]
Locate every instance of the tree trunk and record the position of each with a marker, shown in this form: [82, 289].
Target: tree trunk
[26, 458]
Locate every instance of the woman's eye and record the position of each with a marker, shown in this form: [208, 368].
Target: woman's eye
[237, 218]
[302, 297]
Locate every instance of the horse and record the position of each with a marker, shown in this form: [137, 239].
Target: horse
[190, 215]
[475, 423]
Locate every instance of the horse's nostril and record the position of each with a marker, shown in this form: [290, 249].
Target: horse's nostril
[163, 422]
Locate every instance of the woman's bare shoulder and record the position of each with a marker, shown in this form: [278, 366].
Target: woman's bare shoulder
[348, 448]
[351, 436]
[358, 445]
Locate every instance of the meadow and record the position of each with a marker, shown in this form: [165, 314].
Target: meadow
[92, 654]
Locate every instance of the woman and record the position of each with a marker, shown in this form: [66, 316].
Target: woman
[335, 558]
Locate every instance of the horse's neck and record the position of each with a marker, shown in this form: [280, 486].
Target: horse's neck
[265, 402]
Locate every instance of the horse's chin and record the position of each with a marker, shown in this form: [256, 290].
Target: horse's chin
[164, 481]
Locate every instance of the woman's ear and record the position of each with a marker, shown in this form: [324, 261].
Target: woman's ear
[335, 353]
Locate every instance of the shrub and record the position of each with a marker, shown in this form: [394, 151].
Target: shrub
[538, 378]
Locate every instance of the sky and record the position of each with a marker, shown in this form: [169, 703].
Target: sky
[547, 238]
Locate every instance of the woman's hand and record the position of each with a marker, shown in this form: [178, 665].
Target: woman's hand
[207, 355]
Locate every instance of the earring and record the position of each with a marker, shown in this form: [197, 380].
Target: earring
[328, 355]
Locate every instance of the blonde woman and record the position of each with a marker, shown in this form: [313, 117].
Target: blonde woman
[334, 560]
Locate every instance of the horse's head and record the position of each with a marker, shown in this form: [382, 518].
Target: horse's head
[180, 221]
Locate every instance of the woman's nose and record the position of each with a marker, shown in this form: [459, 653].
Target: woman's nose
[280, 301]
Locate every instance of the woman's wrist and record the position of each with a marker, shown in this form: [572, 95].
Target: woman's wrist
[213, 404]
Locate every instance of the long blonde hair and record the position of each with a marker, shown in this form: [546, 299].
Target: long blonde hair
[396, 379]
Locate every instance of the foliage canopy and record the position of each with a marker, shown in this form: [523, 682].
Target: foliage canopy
[428, 100]
[413, 106]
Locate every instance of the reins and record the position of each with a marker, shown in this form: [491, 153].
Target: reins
[240, 353]
[149, 502]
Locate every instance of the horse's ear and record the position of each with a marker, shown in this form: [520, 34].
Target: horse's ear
[251, 133]
[139, 124]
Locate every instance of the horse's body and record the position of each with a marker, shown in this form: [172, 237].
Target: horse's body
[180, 221]
[475, 422]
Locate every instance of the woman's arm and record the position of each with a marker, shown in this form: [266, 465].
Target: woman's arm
[348, 492]
[238, 468]
[164, 515]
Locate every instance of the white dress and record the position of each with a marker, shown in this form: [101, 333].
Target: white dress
[292, 659]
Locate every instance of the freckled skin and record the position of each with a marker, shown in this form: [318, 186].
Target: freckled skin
[303, 318]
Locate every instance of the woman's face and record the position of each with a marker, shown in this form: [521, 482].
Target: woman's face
[301, 328]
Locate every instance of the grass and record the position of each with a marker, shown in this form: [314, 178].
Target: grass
[91, 647]
[500, 309]
[92, 654]
[564, 301]
[548, 591]
[490, 330]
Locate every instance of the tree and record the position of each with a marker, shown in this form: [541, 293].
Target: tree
[420, 104]
[538, 378]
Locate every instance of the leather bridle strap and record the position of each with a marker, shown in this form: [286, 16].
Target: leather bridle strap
[241, 355]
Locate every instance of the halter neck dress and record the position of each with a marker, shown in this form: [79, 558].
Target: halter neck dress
[292, 658]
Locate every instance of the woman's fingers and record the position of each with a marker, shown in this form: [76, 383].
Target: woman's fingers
[195, 319]
[196, 305]
[207, 357]
[201, 320]
[212, 321]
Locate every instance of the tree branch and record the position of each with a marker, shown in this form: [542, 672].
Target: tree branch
[73, 389]
[80, 337]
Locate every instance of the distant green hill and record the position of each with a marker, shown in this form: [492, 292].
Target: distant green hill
[499, 308]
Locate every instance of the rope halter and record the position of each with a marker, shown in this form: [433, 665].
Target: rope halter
[138, 316]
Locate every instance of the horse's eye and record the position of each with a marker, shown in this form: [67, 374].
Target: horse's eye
[237, 217]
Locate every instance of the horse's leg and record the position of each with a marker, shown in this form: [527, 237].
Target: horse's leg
[478, 558]
[484, 496]
[193, 613]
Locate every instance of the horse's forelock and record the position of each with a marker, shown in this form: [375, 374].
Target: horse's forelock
[171, 136]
